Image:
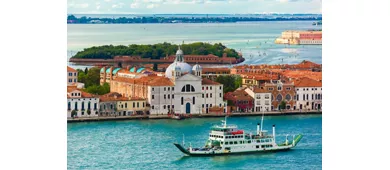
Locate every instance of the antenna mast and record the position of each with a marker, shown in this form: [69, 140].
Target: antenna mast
[262, 118]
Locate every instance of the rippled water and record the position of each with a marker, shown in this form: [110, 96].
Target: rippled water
[148, 144]
[244, 37]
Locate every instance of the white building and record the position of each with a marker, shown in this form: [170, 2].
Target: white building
[308, 94]
[81, 102]
[183, 90]
[262, 98]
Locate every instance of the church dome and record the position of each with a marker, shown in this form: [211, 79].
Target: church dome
[178, 65]
[182, 66]
[197, 67]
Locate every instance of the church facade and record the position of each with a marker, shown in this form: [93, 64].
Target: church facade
[181, 90]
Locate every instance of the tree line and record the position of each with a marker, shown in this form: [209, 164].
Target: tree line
[130, 20]
[155, 51]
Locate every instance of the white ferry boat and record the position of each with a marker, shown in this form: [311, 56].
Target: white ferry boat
[228, 139]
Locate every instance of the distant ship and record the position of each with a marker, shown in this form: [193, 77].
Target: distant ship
[317, 23]
[227, 139]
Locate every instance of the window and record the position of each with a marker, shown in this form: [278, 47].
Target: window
[288, 97]
[297, 96]
[312, 96]
[188, 88]
[169, 88]
[125, 105]
[231, 143]
[70, 80]
[270, 89]
[303, 96]
[220, 87]
[182, 101]
[173, 88]
[211, 105]
[220, 94]
[169, 106]
[152, 88]
[288, 88]
[173, 96]
[165, 89]
[207, 87]
[303, 89]
[164, 107]
[89, 106]
[211, 95]
[211, 87]
[152, 106]
[202, 88]
[307, 96]
[165, 96]
[70, 74]
[279, 98]
[152, 96]
[82, 105]
[202, 95]
[68, 105]
[75, 80]
[193, 100]
[279, 88]
[226, 143]
[143, 104]
[207, 95]
[235, 142]
[169, 96]
[202, 105]
[137, 104]
[133, 104]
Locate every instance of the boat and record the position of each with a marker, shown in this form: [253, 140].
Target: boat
[177, 116]
[227, 139]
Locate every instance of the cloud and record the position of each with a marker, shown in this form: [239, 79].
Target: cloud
[150, 6]
[119, 5]
[83, 5]
[134, 5]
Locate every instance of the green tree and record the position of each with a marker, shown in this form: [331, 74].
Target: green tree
[89, 112]
[283, 105]
[86, 70]
[230, 82]
[155, 67]
[73, 113]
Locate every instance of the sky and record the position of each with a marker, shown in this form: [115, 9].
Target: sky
[194, 6]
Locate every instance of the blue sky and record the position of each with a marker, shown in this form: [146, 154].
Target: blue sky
[193, 6]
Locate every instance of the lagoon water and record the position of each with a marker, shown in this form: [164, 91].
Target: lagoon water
[148, 144]
[251, 38]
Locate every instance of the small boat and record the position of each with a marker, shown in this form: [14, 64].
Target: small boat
[177, 116]
[227, 139]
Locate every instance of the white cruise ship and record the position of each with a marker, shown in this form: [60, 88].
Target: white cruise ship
[228, 139]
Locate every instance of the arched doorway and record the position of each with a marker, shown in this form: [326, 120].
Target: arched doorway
[188, 108]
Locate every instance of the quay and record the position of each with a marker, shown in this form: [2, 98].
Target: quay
[165, 116]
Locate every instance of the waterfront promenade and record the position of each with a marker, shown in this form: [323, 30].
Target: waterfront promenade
[165, 116]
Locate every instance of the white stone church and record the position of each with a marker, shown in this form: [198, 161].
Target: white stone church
[186, 91]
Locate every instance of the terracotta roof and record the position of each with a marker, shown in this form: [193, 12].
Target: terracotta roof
[307, 82]
[147, 80]
[70, 69]
[260, 90]
[209, 82]
[207, 69]
[300, 74]
[83, 93]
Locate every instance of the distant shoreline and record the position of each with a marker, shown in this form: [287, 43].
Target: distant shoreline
[148, 117]
[71, 19]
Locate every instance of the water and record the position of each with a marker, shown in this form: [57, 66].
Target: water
[148, 144]
[245, 37]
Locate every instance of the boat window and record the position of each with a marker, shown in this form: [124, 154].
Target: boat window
[235, 142]
[240, 142]
[249, 141]
[231, 143]
[226, 143]
[257, 146]
[258, 141]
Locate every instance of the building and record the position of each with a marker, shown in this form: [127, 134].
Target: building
[180, 90]
[308, 94]
[81, 103]
[71, 75]
[109, 73]
[240, 100]
[213, 73]
[300, 37]
[262, 98]
[281, 91]
[114, 104]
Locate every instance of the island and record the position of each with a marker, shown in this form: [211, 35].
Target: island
[71, 19]
[121, 55]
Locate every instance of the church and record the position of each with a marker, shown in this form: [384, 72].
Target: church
[180, 90]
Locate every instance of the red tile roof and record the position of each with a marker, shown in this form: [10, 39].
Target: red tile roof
[209, 82]
[307, 82]
[70, 69]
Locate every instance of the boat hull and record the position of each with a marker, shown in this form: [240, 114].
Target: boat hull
[280, 147]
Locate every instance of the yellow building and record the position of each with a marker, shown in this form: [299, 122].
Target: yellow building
[114, 104]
